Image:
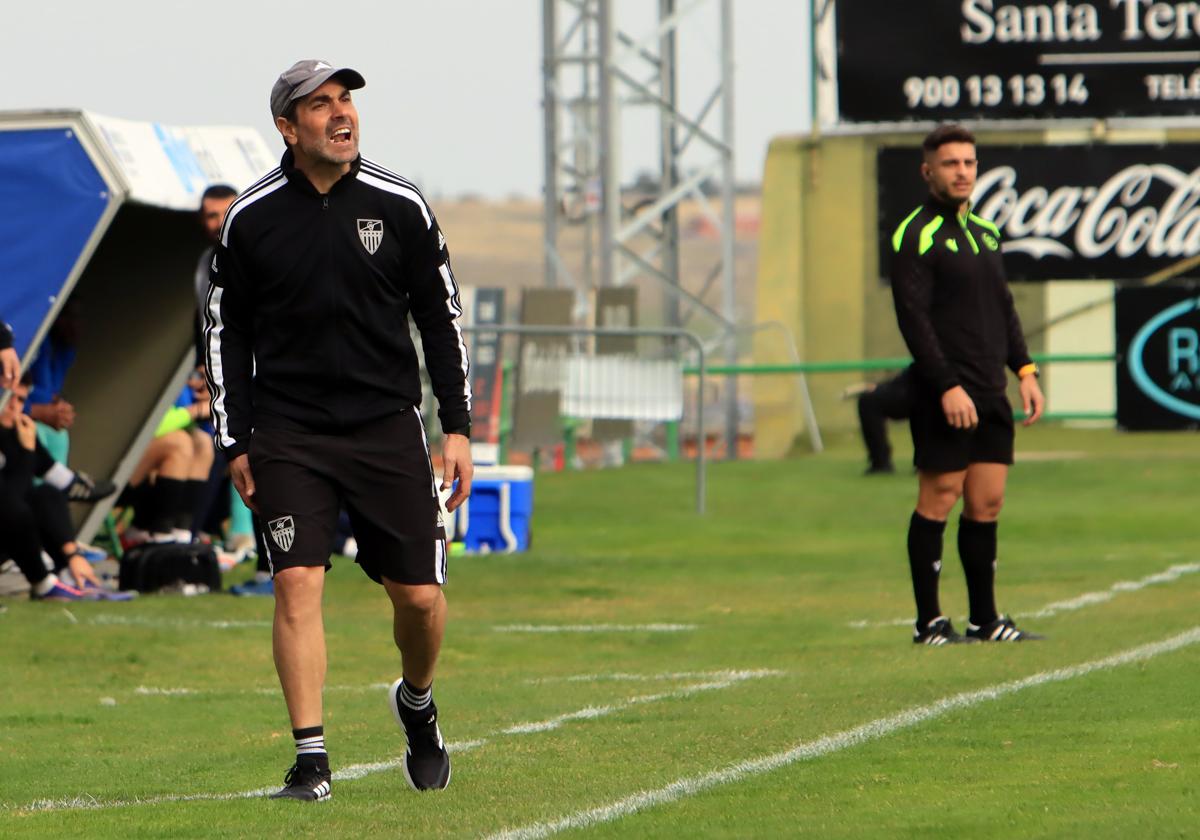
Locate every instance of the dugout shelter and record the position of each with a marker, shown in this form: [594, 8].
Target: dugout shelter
[103, 210]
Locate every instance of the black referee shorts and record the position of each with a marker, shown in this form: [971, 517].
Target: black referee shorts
[939, 447]
[380, 472]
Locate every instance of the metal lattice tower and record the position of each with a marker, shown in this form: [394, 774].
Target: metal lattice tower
[595, 74]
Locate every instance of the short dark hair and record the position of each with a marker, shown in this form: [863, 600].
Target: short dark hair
[218, 191]
[946, 133]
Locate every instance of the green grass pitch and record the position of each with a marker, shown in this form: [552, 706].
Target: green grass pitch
[782, 699]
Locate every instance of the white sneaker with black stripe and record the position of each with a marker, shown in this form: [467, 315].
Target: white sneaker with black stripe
[1002, 629]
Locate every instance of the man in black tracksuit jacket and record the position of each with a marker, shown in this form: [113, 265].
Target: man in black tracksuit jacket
[316, 395]
[956, 314]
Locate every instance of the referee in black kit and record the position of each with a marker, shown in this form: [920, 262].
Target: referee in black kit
[316, 400]
[957, 316]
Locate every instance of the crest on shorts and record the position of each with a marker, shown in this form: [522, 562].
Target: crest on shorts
[283, 531]
[370, 233]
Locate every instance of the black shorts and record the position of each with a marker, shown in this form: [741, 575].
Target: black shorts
[939, 447]
[380, 472]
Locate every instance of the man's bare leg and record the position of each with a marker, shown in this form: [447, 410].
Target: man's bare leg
[298, 641]
[983, 491]
[418, 625]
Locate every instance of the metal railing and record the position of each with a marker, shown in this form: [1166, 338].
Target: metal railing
[851, 366]
[628, 332]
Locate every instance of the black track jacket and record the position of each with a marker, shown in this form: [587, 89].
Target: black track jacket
[952, 300]
[307, 313]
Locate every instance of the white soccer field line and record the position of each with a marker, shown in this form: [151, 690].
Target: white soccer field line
[145, 621]
[358, 771]
[670, 676]
[1087, 599]
[217, 624]
[593, 628]
[180, 691]
[742, 770]
[620, 676]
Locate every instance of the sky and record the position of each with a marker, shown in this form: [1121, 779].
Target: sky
[454, 87]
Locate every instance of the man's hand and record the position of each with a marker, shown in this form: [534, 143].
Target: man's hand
[199, 386]
[10, 367]
[26, 431]
[1031, 399]
[959, 408]
[58, 414]
[239, 471]
[456, 464]
[81, 570]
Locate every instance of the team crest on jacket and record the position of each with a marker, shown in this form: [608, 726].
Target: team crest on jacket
[283, 531]
[370, 233]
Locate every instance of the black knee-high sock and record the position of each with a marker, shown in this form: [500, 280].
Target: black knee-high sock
[925, 563]
[193, 518]
[173, 503]
[145, 506]
[977, 550]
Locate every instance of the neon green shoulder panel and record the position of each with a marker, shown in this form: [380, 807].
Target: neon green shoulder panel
[927, 233]
[898, 236]
[986, 225]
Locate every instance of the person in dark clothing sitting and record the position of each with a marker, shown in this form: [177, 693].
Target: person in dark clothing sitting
[33, 517]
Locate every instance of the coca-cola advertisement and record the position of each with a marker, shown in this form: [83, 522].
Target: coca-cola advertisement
[1068, 212]
[1158, 357]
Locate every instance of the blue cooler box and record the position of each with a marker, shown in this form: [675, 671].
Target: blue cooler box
[497, 516]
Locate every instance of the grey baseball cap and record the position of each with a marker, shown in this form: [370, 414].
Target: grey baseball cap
[305, 76]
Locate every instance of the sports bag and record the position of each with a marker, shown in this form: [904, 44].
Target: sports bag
[151, 566]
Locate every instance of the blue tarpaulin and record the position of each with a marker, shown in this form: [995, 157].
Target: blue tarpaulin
[52, 198]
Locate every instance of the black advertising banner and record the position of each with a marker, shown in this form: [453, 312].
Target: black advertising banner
[487, 373]
[1158, 357]
[1000, 59]
[1068, 212]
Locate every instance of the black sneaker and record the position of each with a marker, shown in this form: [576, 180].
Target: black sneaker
[306, 782]
[426, 762]
[938, 632]
[1000, 630]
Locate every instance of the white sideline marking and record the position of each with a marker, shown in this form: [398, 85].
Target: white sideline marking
[358, 771]
[602, 711]
[151, 691]
[690, 785]
[663, 677]
[1087, 599]
[1170, 575]
[91, 803]
[106, 618]
[593, 628]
